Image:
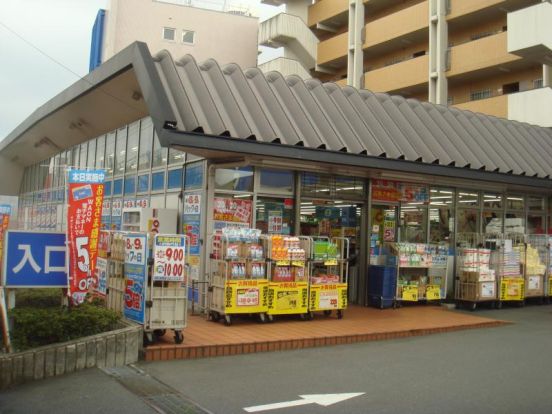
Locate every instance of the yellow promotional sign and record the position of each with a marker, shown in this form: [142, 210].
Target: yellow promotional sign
[410, 293]
[298, 263]
[512, 289]
[328, 297]
[286, 298]
[433, 292]
[246, 296]
[550, 286]
[330, 262]
[282, 262]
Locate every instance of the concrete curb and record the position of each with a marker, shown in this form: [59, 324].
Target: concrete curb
[106, 350]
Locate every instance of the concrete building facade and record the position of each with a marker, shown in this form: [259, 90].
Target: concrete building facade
[222, 31]
[488, 56]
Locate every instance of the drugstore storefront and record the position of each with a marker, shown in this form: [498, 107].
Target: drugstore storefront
[280, 155]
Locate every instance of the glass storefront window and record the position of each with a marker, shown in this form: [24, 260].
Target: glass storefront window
[174, 179]
[514, 202]
[83, 154]
[110, 154]
[75, 151]
[349, 187]
[107, 189]
[441, 215]
[468, 221]
[492, 201]
[143, 183]
[329, 186]
[514, 223]
[194, 176]
[535, 203]
[158, 181]
[100, 152]
[274, 215]
[535, 224]
[176, 156]
[413, 223]
[120, 151]
[132, 147]
[235, 179]
[118, 187]
[493, 221]
[276, 181]
[468, 198]
[130, 185]
[159, 153]
[146, 142]
[91, 163]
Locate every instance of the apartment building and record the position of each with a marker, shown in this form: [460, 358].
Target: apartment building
[219, 29]
[486, 56]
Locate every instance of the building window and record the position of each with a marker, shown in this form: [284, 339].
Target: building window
[118, 187]
[143, 183]
[450, 100]
[158, 181]
[130, 185]
[174, 179]
[188, 36]
[194, 176]
[169, 33]
[478, 95]
[537, 83]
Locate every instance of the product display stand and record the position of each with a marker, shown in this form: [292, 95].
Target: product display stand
[115, 273]
[534, 264]
[238, 282]
[418, 278]
[288, 286]
[475, 280]
[329, 272]
[506, 261]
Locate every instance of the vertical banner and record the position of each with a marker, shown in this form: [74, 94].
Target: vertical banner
[169, 255]
[5, 212]
[4, 321]
[191, 220]
[84, 210]
[136, 273]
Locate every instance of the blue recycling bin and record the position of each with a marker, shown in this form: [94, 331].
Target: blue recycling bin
[382, 286]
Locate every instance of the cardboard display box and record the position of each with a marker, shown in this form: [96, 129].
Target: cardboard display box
[477, 291]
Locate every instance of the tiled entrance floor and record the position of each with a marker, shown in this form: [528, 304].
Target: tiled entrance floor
[203, 338]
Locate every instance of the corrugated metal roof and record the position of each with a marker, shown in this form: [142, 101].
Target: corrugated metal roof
[270, 108]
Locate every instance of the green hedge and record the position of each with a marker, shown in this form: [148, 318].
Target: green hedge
[38, 298]
[38, 326]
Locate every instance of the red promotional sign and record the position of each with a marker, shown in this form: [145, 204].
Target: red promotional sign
[84, 211]
[394, 192]
[232, 210]
[4, 223]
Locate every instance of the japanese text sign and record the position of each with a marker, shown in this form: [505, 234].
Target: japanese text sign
[169, 254]
[35, 259]
[192, 204]
[84, 210]
[394, 192]
[232, 210]
[135, 277]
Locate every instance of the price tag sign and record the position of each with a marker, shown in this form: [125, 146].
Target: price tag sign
[433, 292]
[282, 262]
[410, 293]
[169, 253]
[331, 262]
[298, 263]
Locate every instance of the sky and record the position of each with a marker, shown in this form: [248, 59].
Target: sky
[61, 29]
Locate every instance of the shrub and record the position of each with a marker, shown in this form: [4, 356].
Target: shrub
[42, 326]
[38, 298]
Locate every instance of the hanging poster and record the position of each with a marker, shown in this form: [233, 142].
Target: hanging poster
[84, 209]
[395, 192]
[135, 277]
[100, 282]
[275, 222]
[192, 204]
[116, 214]
[232, 210]
[169, 255]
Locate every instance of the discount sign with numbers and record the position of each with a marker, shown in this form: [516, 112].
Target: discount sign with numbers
[169, 253]
[135, 277]
[84, 212]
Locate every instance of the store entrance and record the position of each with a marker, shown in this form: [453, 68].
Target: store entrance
[336, 218]
[384, 229]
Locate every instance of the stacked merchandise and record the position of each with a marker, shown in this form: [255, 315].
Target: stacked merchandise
[514, 225]
[243, 253]
[494, 226]
[289, 259]
[507, 263]
[477, 279]
[534, 272]
[326, 252]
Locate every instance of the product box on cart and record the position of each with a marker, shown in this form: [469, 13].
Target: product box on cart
[477, 291]
[534, 286]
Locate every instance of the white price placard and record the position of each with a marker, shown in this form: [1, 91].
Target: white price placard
[169, 253]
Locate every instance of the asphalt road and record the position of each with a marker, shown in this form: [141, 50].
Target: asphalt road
[498, 370]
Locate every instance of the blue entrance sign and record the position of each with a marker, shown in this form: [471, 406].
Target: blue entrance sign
[35, 259]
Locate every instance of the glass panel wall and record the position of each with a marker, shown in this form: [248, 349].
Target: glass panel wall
[120, 151]
[441, 215]
[146, 142]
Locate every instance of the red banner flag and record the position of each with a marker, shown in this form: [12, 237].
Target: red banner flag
[84, 211]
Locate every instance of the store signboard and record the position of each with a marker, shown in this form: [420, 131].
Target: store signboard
[84, 210]
[135, 277]
[192, 229]
[169, 255]
[106, 214]
[192, 204]
[116, 213]
[246, 296]
[286, 298]
[232, 210]
[35, 259]
[396, 192]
